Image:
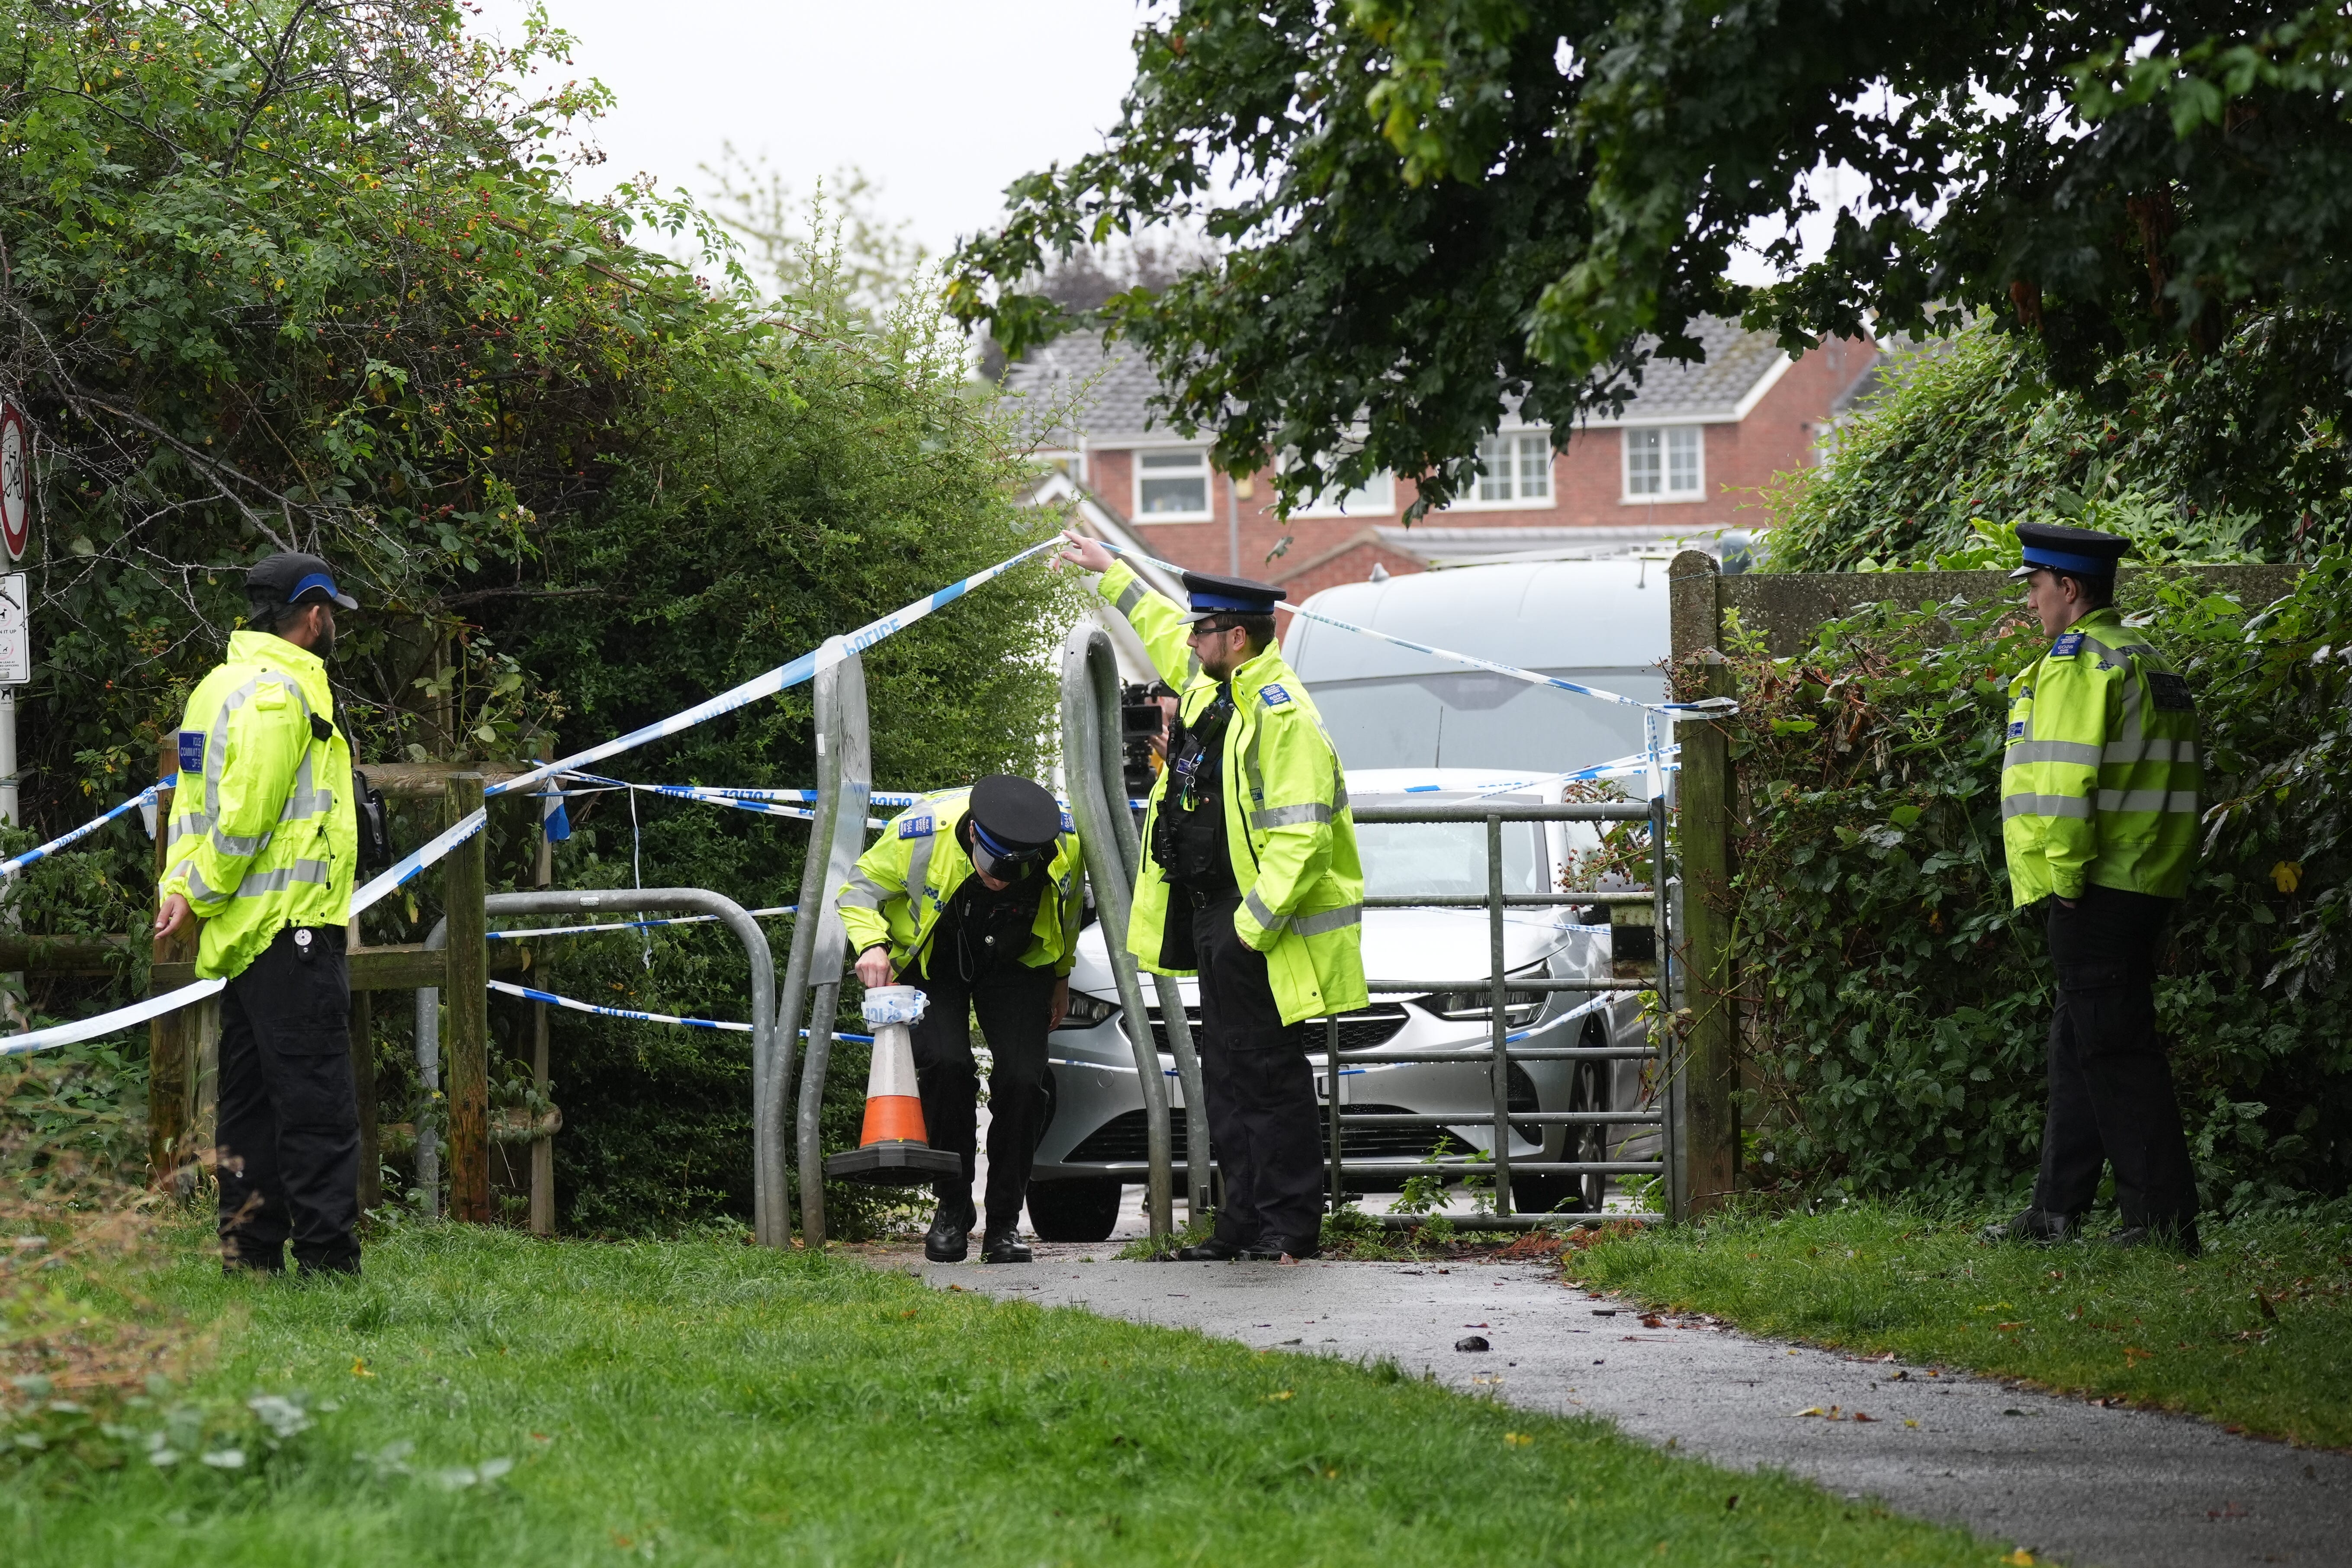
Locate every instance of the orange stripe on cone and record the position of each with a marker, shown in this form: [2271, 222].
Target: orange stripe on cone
[893, 1119]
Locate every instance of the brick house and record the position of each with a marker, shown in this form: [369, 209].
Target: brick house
[1685, 459]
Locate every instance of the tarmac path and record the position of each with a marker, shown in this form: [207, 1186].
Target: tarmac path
[2069, 1479]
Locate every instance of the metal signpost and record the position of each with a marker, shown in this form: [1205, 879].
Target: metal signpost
[16, 633]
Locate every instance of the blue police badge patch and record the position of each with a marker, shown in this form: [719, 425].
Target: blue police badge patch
[2067, 646]
[1068, 826]
[916, 827]
[2017, 730]
[192, 750]
[1274, 696]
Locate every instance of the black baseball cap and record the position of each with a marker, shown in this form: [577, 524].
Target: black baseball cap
[1014, 823]
[1214, 595]
[2077, 552]
[292, 578]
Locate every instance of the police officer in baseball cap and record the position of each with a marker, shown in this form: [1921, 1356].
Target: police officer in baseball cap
[973, 897]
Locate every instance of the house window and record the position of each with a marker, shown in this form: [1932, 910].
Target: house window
[1375, 498]
[1173, 486]
[1665, 463]
[1518, 468]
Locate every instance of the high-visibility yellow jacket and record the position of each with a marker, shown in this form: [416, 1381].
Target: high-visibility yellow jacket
[1287, 825]
[264, 832]
[918, 851]
[2100, 780]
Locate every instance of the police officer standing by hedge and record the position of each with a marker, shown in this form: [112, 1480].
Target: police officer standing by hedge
[1249, 878]
[2099, 812]
[973, 897]
[264, 844]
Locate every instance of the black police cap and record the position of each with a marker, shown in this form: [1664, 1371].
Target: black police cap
[1215, 595]
[294, 578]
[1017, 816]
[2078, 551]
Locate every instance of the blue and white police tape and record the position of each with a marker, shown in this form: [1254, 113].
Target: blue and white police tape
[1617, 768]
[631, 925]
[553, 1000]
[1712, 708]
[767, 803]
[18, 863]
[408, 867]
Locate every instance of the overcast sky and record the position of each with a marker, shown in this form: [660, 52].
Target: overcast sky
[942, 102]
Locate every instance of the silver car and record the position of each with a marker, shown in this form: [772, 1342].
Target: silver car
[1093, 1142]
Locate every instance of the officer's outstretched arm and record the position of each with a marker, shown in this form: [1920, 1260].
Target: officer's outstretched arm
[1156, 620]
[1295, 818]
[247, 778]
[881, 877]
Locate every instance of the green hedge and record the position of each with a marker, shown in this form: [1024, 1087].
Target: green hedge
[1899, 1002]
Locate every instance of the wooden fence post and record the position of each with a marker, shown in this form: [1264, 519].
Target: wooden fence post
[1710, 1113]
[1710, 1145]
[170, 1036]
[465, 993]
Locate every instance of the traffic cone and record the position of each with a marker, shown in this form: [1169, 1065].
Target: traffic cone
[892, 1150]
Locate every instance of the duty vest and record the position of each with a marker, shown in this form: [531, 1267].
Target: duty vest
[904, 882]
[1287, 825]
[264, 832]
[2100, 778]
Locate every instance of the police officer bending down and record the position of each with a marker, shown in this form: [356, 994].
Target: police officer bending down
[2099, 812]
[973, 897]
[264, 841]
[1250, 878]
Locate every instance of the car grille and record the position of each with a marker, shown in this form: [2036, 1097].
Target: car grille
[1358, 1031]
[1123, 1140]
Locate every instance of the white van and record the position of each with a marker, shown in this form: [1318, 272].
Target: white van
[1601, 623]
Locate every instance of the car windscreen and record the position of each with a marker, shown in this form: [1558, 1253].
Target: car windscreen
[1449, 859]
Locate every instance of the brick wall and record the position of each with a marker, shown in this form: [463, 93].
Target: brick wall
[1588, 490]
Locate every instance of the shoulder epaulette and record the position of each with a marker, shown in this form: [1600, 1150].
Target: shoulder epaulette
[2068, 645]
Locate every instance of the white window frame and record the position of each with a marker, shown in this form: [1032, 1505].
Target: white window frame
[1519, 444]
[1669, 436]
[1208, 485]
[1376, 499]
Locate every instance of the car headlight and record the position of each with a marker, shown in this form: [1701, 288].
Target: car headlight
[1519, 1007]
[1087, 1010]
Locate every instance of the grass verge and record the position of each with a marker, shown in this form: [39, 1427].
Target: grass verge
[480, 1397]
[2257, 1334]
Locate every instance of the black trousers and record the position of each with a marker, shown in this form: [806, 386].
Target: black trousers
[2111, 1098]
[1263, 1120]
[288, 1123]
[1013, 1002]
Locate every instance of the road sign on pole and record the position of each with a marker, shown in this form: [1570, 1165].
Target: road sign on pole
[15, 482]
[16, 632]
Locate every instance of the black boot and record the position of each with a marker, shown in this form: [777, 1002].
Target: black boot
[1002, 1244]
[1276, 1248]
[950, 1237]
[2038, 1227]
[2182, 1240]
[1216, 1250]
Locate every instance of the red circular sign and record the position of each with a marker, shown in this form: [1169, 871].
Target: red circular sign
[15, 482]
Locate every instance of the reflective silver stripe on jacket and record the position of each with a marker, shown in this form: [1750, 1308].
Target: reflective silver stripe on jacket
[187, 826]
[198, 888]
[2024, 752]
[2147, 800]
[918, 867]
[1129, 596]
[257, 882]
[1290, 816]
[863, 892]
[2045, 806]
[216, 743]
[1260, 914]
[1341, 918]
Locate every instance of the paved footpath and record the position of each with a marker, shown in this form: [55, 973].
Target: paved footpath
[2069, 1479]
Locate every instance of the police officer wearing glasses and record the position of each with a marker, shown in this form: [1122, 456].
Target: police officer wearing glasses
[973, 897]
[1250, 879]
[264, 842]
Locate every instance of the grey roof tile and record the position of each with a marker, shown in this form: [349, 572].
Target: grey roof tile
[1075, 382]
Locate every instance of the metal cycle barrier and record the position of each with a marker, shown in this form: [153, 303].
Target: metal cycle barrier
[1093, 764]
[1501, 1053]
[820, 947]
[767, 1156]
